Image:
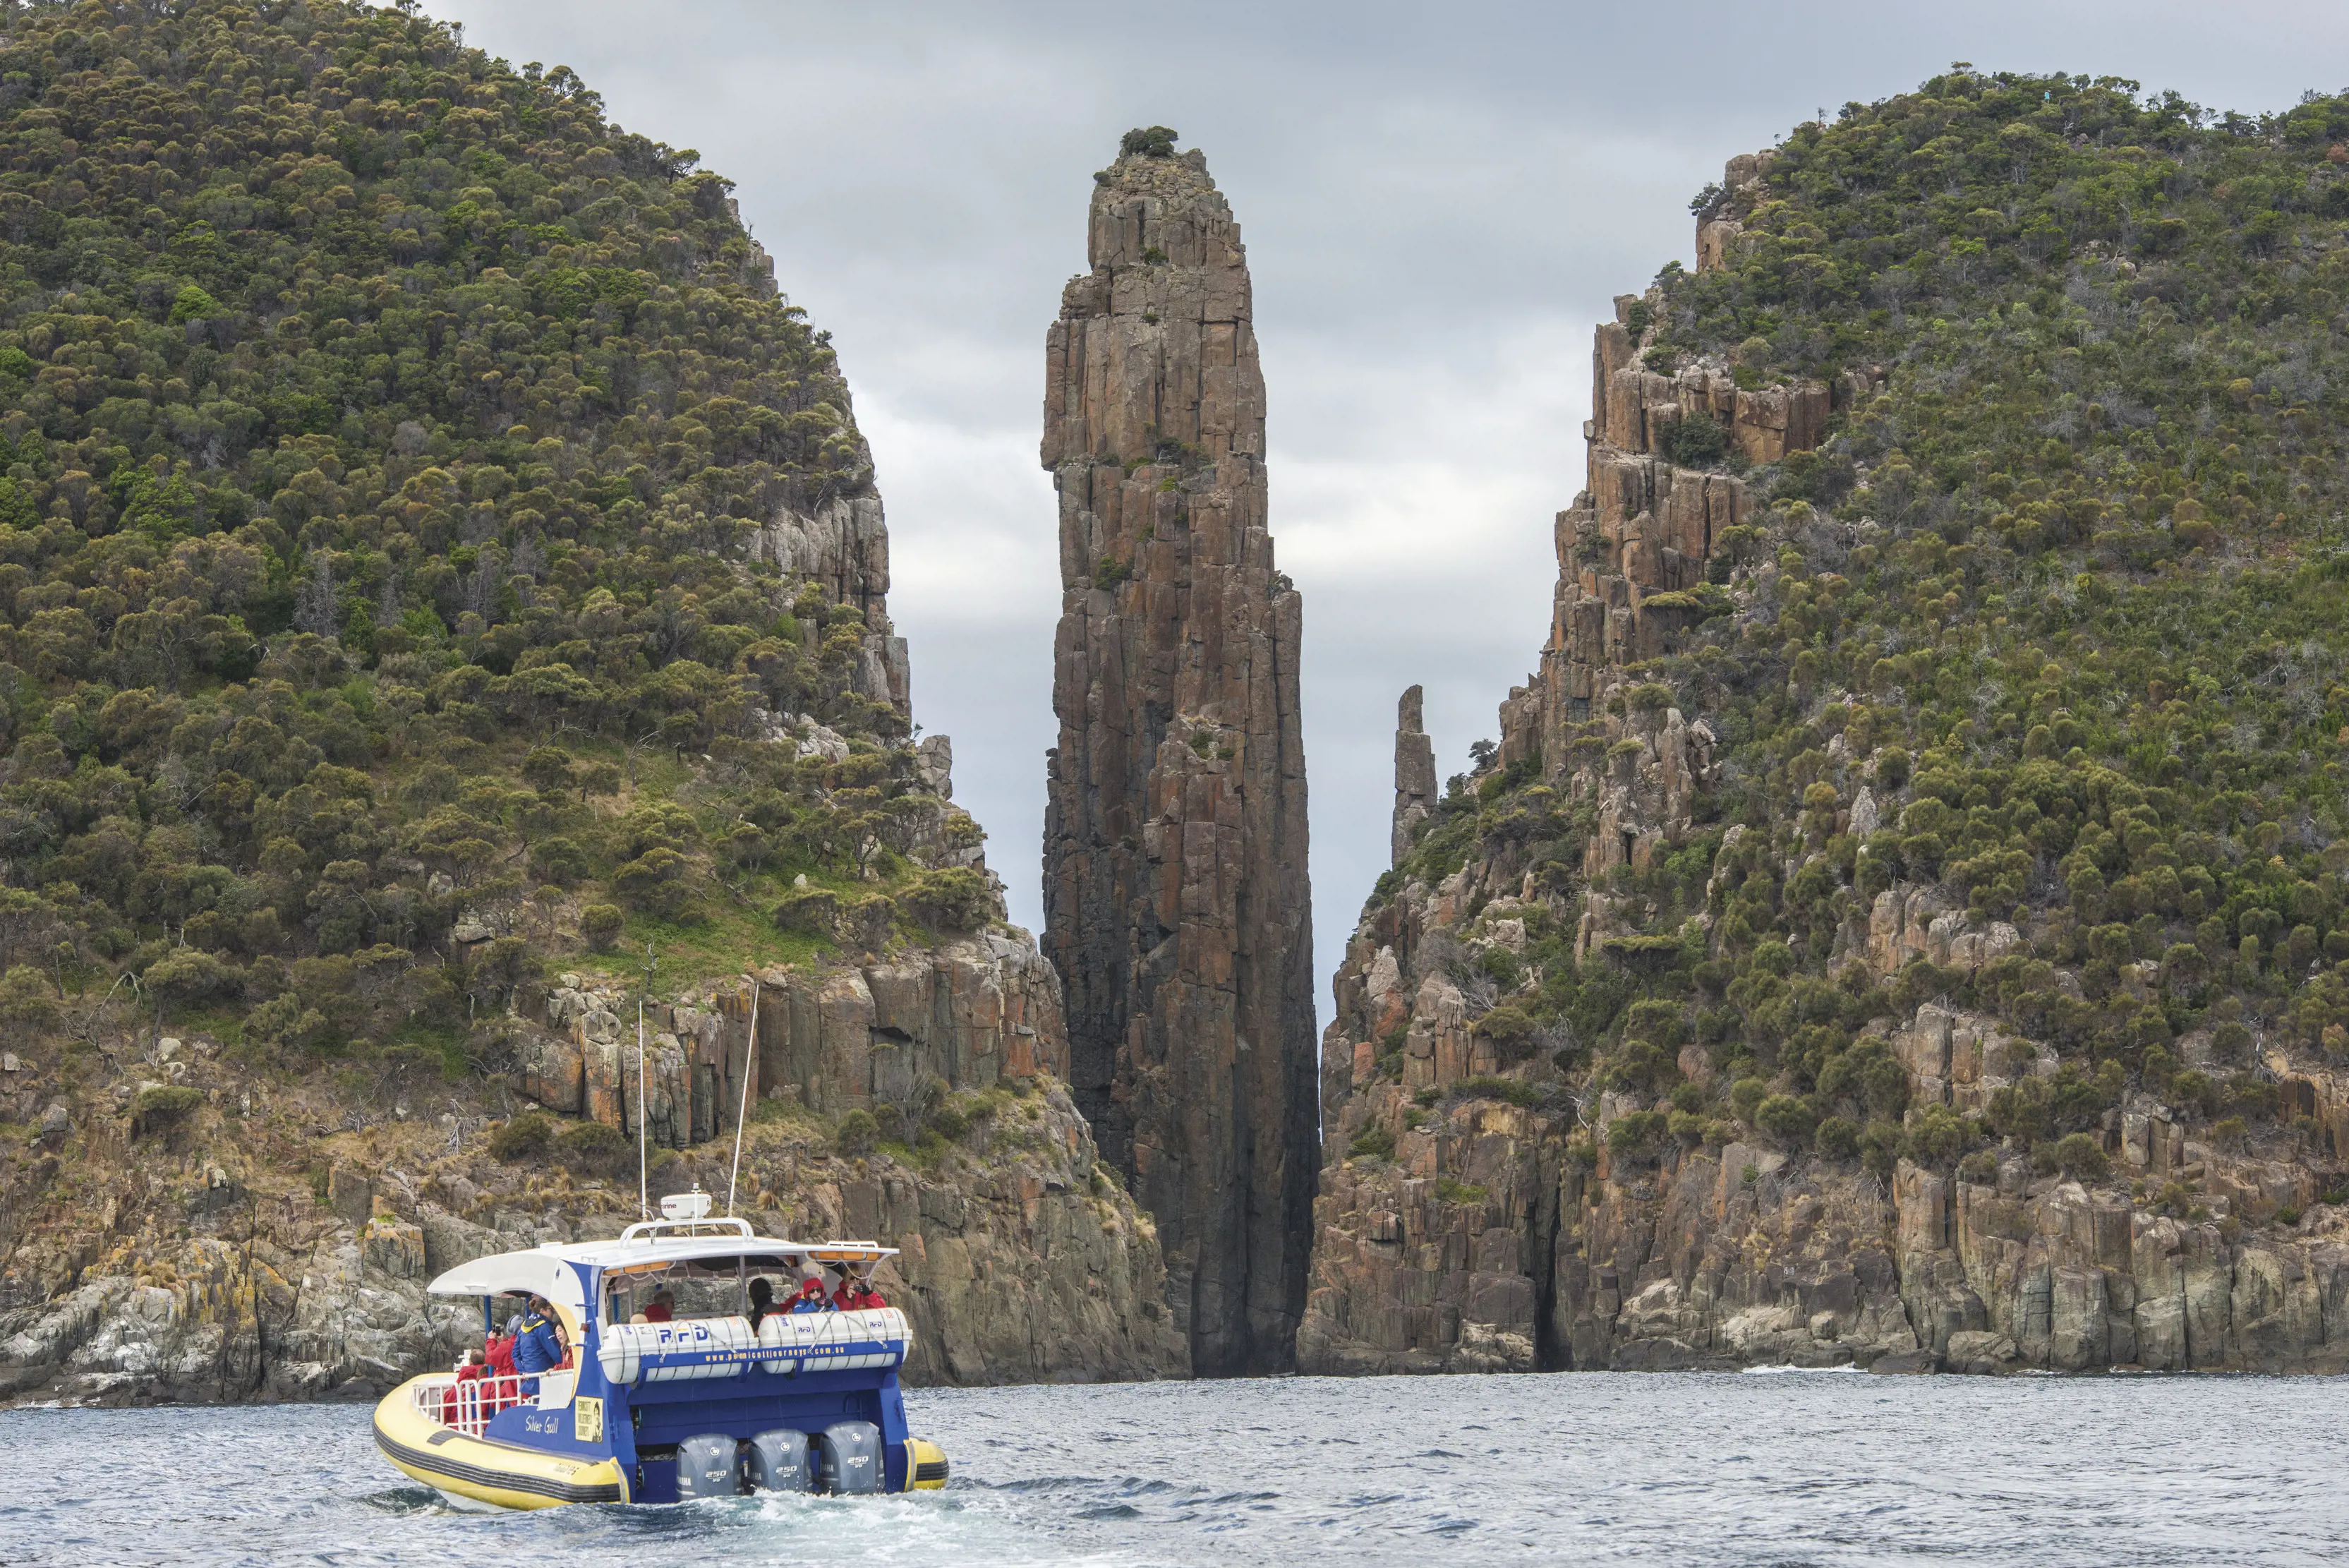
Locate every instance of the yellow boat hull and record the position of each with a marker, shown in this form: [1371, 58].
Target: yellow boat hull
[481, 1469]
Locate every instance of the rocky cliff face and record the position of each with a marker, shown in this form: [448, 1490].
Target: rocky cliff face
[1176, 904]
[1492, 1200]
[275, 1242]
[186, 1225]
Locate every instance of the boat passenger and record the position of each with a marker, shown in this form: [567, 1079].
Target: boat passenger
[810, 1297]
[844, 1298]
[663, 1306]
[538, 1347]
[498, 1353]
[866, 1296]
[455, 1399]
[762, 1300]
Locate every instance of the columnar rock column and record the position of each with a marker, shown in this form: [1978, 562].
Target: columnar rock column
[1415, 772]
[1176, 905]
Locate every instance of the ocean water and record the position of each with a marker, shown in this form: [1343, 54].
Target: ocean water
[1768, 1471]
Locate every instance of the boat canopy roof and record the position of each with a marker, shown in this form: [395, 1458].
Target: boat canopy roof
[648, 1248]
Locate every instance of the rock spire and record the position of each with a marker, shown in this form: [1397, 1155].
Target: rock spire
[1415, 772]
[1176, 904]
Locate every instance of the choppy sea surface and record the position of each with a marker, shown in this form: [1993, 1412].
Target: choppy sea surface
[1767, 1470]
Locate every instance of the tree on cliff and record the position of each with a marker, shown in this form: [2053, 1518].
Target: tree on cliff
[1153, 142]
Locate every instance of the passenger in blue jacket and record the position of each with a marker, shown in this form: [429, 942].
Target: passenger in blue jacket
[538, 1347]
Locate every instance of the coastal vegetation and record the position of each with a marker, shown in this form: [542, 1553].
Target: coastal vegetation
[384, 438]
[2061, 592]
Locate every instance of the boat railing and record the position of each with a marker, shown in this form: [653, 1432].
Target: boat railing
[466, 1404]
[690, 1228]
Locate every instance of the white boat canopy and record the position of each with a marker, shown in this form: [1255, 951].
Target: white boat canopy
[650, 1247]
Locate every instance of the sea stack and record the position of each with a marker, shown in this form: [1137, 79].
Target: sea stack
[1176, 902]
[1414, 774]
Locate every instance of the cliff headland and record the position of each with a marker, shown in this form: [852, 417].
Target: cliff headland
[1901, 921]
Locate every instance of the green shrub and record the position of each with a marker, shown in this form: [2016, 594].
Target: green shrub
[527, 1136]
[957, 899]
[2193, 1092]
[548, 769]
[1980, 1167]
[600, 926]
[1649, 696]
[1938, 1136]
[660, 881]
[1638, 1136]
[1506, 970]
[2080, 1155]
[1148, 141]
[954, 1118]
[1746, 1098]
[855, 1133]
[1695, 441]
[1785, 1118]
[814, 910]
[1837, 1138]
[1516, 1091]
[1879, 1149]
[25, 1002]
[593, 1149]
[559, 861]
[1373, 1142]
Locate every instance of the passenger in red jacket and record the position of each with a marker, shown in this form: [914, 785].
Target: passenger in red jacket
[855, 1294]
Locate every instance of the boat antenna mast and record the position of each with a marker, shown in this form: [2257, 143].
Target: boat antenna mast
[742, 1111]
[643, 1163]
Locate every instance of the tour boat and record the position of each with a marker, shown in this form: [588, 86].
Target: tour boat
[698, 1405]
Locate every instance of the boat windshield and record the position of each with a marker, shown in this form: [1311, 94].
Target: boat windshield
[700, 1287]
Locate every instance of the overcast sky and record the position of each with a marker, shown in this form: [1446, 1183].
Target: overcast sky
[1438, 203]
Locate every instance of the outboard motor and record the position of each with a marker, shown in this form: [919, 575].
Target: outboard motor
[849, 1458]
[706, 1467]
[778, 1461]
